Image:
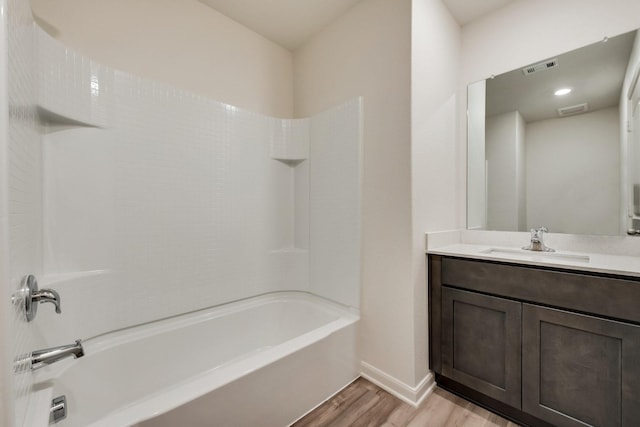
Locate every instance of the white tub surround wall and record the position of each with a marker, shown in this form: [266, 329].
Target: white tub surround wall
[7, 316]
[160, 202]
[187, 45]
[21, 203]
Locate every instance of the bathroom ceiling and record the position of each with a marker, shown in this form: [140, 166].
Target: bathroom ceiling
[465, 11]
[289, 23]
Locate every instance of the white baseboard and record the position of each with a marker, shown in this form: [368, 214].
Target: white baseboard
[412, 395]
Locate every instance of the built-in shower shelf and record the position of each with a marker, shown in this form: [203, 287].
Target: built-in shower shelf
[290, 141]
[291, 162]
[53, 121]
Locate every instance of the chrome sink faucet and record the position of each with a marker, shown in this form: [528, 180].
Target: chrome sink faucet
[537, 242]
[41, 358]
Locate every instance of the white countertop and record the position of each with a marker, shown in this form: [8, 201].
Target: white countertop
[625, 265]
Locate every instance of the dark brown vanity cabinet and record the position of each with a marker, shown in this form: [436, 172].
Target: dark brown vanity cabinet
[518, 340]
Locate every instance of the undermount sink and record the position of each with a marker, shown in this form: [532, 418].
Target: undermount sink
[535, 254]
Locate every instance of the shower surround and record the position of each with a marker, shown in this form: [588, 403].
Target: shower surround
[157, 202]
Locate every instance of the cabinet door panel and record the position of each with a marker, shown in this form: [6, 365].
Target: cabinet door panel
[481, 343]
[580, 370]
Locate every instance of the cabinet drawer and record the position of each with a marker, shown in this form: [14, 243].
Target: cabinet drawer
[611, 297]
[481, 343]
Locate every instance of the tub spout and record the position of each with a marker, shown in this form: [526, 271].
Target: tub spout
[48, 356]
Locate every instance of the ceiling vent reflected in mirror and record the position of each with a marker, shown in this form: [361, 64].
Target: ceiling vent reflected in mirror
[594, 72]
[573, 110]
[540, 66]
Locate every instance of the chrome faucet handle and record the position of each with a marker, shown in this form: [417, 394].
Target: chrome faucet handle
[539, 229]
[47, 295]
[535, 236]
[537, 241]
[29, 297]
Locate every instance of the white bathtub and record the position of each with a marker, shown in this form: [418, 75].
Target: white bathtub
[264, 361]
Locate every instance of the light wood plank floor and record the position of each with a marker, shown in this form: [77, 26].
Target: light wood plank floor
[364, 404]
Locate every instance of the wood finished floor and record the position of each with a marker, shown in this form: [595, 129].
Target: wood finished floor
[362, 403]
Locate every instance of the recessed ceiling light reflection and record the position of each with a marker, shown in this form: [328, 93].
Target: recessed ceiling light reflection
[561, 92]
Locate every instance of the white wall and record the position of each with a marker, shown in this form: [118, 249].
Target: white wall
[528, 30]
[573, 173]
[504, 154]
[182, 43]
[366, 52]
[435, 181]
[410, 184]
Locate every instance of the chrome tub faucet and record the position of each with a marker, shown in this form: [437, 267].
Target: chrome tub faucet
[28, 297]
[47, 295]
[537, 242]
[41, 358]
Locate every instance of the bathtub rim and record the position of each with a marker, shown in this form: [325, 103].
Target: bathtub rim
[189, 388]
[132, 333]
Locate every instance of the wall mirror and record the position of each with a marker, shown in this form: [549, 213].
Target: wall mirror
[552, 143]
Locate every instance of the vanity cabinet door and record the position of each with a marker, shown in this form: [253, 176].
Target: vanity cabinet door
[481, 343]
[580, 370]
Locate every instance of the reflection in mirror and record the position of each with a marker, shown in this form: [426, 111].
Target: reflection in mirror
[552, 143]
